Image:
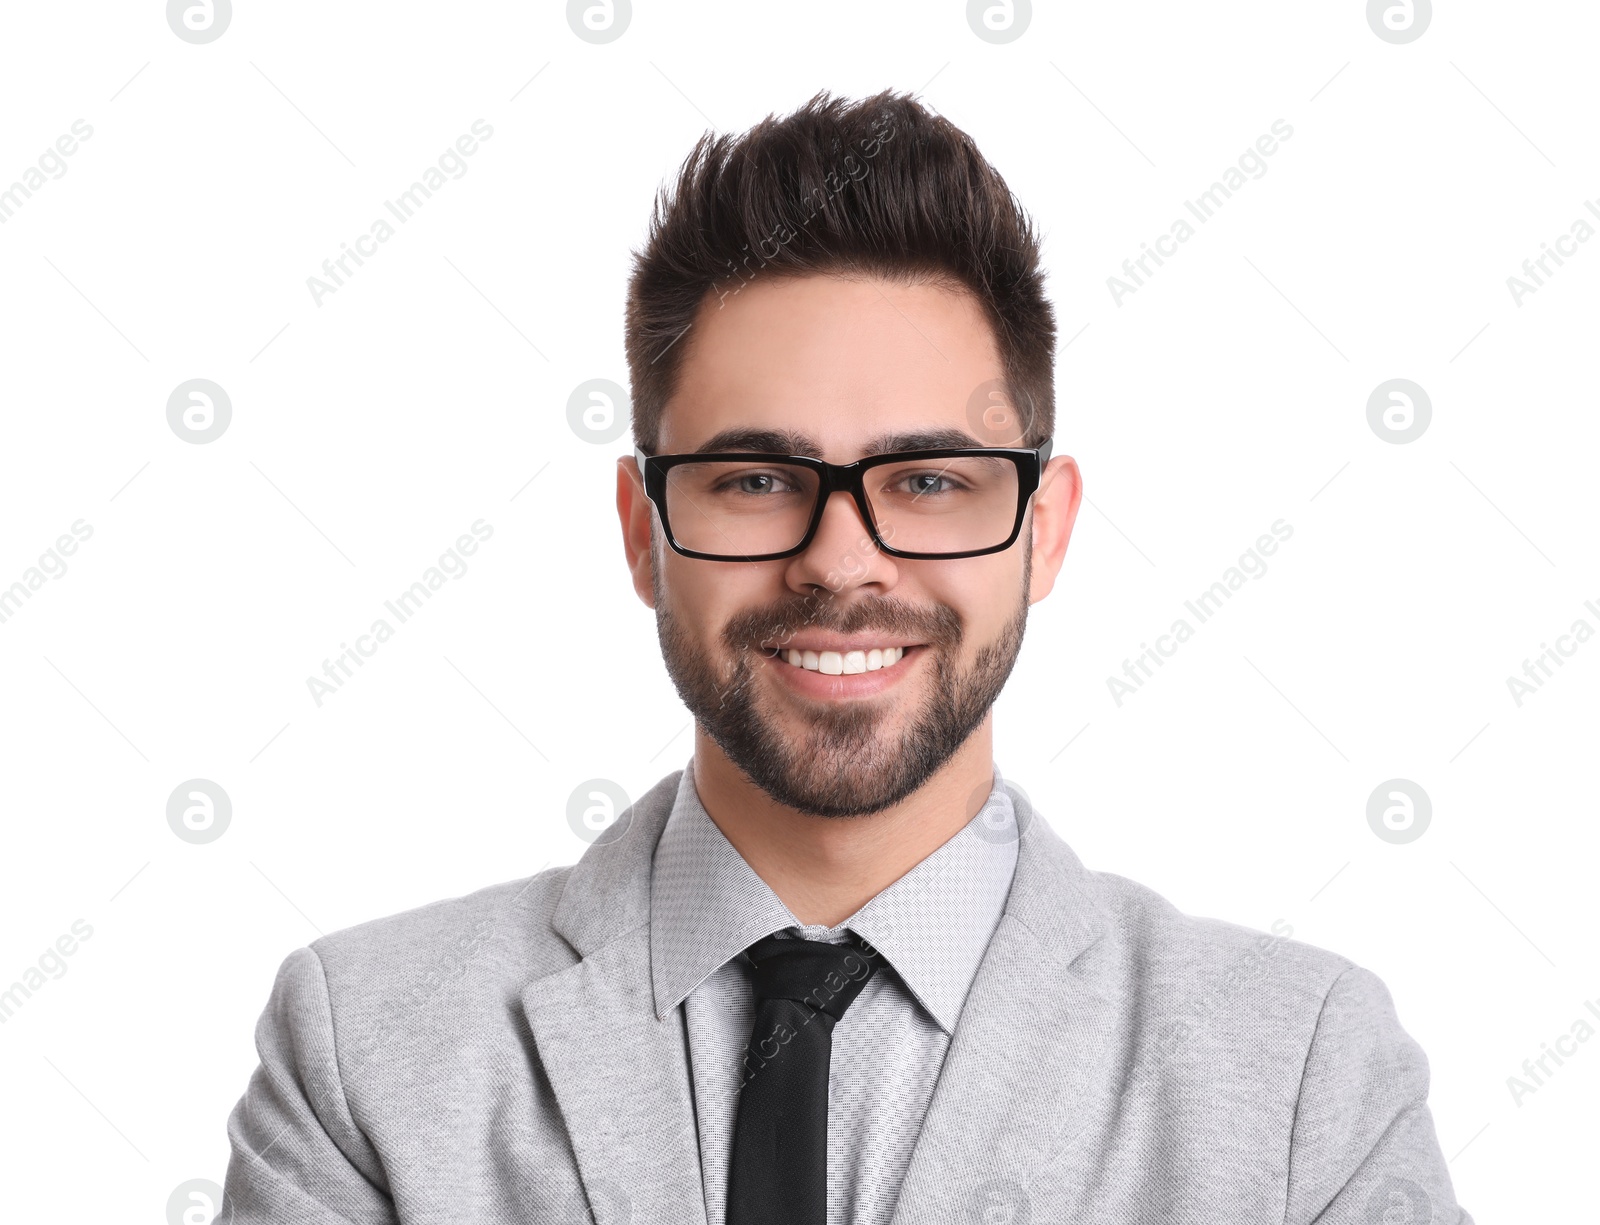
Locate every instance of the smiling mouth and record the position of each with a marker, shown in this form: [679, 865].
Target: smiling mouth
[842, 663]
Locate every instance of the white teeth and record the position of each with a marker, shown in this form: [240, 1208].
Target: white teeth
[846, 663]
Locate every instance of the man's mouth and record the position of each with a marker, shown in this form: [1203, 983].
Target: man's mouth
[842, 663]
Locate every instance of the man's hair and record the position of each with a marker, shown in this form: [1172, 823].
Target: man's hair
[876, 187]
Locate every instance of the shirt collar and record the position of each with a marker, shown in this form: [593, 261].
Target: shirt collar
[707, 905]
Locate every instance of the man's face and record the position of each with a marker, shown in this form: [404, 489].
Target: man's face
[839, 363]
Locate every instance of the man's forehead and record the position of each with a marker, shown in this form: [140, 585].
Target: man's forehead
[831, 368]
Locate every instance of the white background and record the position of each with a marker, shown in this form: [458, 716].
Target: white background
[368, 432]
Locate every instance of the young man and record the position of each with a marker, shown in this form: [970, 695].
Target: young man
[835, 970]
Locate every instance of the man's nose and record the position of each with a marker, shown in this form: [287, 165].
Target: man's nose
[843, 551]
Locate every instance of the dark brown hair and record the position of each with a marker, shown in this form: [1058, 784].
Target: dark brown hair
[876, 187]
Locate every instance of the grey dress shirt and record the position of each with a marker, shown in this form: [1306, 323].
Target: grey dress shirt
[933, 925]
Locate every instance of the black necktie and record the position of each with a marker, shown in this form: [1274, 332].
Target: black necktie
[778, 1174]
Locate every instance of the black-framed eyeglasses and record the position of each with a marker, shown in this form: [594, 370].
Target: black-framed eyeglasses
[941, 503]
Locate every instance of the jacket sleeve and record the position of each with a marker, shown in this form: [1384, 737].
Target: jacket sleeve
[298, 1157]
[1363, 1148]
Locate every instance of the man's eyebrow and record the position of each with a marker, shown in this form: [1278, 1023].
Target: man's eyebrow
[791, 442]
[750, 438]
[921, 440]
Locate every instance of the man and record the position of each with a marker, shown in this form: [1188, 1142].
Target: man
[836, 969]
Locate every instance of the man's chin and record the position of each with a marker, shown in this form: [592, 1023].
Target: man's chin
[852, 772]
[826, 790]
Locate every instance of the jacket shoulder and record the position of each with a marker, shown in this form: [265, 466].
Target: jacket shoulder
[1166, 947]
[1210, 1002]
[501, 932]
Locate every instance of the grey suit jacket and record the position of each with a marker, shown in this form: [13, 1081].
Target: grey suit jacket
[495, 1058]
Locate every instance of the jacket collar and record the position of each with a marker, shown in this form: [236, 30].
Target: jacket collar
[608, 890]
[932, 924]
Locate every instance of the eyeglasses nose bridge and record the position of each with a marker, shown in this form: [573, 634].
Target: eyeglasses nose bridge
[848, 479]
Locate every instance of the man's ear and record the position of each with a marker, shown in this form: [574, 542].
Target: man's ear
[1055, 510]
[637, 514]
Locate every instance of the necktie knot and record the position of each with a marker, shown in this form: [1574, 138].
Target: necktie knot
[825, 977]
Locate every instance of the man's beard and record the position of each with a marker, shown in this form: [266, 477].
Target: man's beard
[834, 764]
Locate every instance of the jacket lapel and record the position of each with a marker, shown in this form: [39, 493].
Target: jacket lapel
[620, 1076]
[1026, 1085]
[1025, 1099]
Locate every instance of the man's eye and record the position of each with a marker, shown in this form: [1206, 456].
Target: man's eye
[923, 484]
[754, 483]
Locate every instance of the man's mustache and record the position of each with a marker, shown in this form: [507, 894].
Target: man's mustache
[773, 627]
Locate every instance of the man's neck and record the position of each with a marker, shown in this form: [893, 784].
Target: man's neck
[824, 869]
